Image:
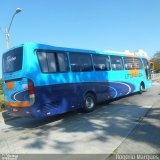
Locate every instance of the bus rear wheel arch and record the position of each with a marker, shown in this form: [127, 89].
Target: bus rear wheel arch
[89, 102]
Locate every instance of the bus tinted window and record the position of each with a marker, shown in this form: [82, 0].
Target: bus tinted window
[86, 62]
[128, 63]
[81, 62]
[62, 62]
[138, 63]
[53, 62]
[101, 62]
[12, 60]
[43, 61]
[75, 62]
[132, 63]
[145, 62]
[116, 63]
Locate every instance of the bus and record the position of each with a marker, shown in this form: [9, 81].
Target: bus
[41, 80]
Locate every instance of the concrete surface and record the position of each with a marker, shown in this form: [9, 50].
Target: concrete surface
[145, 137]
[99, 132]
[5, 116]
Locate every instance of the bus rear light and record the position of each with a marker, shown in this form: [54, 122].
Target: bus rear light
[38, 110]
[48, 113]
[31, 91]
[27, 112]
[15, 109]
[30, 87]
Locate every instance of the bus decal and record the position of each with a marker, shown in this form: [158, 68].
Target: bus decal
[10, 85]
[114, 96]
[20, 96]
[18, 104]
[120, 88]
[129, 88]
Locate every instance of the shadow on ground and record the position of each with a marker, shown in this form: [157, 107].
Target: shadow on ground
[64, 131]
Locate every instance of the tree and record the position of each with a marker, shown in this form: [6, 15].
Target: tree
[156, 55]
[156, 61]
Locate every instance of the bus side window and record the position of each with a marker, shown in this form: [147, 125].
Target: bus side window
[101, 62]
[75, 67]
[128, 63]
[62, 62]
[43, 61]
[51, 62]
[116, 63]
[52, 67]
[75, 62]
[80, 62]
[86, 62]
[138, 63]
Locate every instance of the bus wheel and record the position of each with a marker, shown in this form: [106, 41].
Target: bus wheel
[141, 88]
[89, 102]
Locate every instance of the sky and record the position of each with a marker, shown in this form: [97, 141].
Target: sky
[86, 24]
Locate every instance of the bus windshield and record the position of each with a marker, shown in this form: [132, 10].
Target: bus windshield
[12, 60]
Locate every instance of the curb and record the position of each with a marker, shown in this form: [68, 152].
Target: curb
[112, 155]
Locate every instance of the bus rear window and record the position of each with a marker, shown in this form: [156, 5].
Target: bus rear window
[12, 60]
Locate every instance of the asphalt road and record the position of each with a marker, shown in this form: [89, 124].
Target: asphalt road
[99, 132]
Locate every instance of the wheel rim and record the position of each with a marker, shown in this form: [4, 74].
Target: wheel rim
[89, 102]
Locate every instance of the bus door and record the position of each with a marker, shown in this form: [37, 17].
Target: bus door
[147, 68]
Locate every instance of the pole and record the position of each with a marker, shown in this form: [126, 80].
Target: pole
[8, 29]
[7, 38]
[11, 21]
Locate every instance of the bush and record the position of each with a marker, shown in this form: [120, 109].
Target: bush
[1, 90]
[2, 106]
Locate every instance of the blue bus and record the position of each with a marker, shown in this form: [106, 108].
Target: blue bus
[41, 80]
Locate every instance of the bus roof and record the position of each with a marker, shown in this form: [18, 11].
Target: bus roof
[109, 52]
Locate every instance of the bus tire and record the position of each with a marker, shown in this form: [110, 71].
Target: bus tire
[89, 102]
[141, 88]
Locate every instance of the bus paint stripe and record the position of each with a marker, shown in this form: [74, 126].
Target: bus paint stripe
[18, 104]
[125, 85]
[14, 96]
[115, 91]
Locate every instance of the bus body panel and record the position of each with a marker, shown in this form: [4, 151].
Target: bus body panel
[16, 90]
[62, 92]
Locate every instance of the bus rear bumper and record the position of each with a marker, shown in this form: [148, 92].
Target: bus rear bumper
[18, 112]
[34, 112]
[23, 112]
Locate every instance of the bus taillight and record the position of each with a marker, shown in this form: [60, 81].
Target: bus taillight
[31, 91]
[30, 87]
